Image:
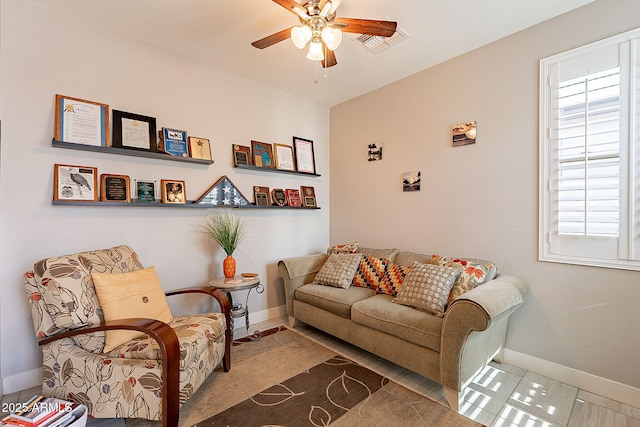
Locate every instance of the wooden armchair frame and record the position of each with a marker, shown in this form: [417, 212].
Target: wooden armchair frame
[169, 347]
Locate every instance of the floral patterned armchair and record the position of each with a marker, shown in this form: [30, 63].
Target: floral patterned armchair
[147, 377]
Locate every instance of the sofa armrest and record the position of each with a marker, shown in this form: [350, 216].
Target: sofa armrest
[299, 271]
[463, 349]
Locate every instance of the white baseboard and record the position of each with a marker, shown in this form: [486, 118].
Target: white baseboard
[597, 385]
[21, 381]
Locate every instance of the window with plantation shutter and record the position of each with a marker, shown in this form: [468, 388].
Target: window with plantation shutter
[590, 155]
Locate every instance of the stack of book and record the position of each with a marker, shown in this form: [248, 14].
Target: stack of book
[40, 411]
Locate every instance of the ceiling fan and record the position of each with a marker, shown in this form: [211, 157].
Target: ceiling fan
[322, 29]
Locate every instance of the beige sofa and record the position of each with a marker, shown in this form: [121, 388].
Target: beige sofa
[450, 350]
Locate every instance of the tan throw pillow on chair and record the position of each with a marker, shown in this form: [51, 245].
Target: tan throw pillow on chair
[124, 295]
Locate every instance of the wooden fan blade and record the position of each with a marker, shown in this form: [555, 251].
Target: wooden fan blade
[368, 26]
[293, 7]
[329, 58]
[272, 39]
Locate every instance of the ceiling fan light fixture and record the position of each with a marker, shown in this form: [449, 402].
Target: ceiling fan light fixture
[315, 51]
[332, 37]
[300, 36]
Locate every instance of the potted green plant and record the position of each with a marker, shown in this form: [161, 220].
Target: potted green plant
[228, 230]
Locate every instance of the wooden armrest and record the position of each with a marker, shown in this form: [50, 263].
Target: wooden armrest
[170, 356]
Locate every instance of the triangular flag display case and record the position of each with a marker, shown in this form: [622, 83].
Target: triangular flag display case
[223, 193]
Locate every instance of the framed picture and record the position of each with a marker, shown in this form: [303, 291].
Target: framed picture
[241, 155]
[173, 191]
[174, 142]
[145, 190]
[308, 197]
[75, 183]
[293, 197]
[261, 196]
[463, 134]
[305, 160]
[411, 181]
[262, 154]
[81, 122]
[134, 131]
[199, 148]
[279, 197]
[114, 188]
[284, 157]
[374, 151]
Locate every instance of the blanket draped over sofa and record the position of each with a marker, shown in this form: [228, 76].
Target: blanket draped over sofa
[450, 349]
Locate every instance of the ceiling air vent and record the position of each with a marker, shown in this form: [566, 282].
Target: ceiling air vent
[376, 44]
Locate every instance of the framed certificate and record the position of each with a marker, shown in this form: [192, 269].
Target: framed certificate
[173, 191]
[174, 142]
[75, 183]
[199, 148]
[81, 122]
[262, 154]
[134, 131]
[305, 160]
[114, 188]
[284, 157]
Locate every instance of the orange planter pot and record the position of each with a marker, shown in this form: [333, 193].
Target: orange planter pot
[229, 267]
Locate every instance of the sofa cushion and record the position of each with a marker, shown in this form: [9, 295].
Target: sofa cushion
[334, 300]
[338, 270]
[473, 272]
[380, 253]
[345, 248]
[427, 287]
[393, 277]
[408, 258]
[371, 272]
[404, 322]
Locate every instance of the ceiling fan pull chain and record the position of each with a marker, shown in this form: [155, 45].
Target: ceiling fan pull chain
[316, 80]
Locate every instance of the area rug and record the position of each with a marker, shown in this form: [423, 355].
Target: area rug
[285, 379]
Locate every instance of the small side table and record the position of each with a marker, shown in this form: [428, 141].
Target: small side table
[239, 283]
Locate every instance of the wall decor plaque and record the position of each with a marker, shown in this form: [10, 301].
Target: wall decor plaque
[279, 197]
[308, 196]
[199, 148]
[75, 183]
[284, 157]
[242, 155]
[293, 197]
[262, 154]
[174, 142]
[262, 196]
[145, 190]
[114, 188]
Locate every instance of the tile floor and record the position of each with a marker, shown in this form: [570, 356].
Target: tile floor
[500, 396]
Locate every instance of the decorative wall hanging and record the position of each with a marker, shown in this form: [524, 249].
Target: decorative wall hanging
[374, 151]
[464, 134]
[411, 181]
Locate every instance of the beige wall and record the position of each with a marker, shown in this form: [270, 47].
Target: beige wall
[482, 200]
[43, 54]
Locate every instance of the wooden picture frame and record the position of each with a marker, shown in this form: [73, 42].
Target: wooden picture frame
[305, 157]
[242, 155]
[293, 197]
[173, 191]
[262, 196]
[173, 142]
[115, 188]
[279, 197]
[308, 195]
[75, 183]
[284, 157]
[81, 122]
[262, 154]
[134, 131]
[199, 148]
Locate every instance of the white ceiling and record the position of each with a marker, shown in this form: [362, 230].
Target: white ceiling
[220, 32]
